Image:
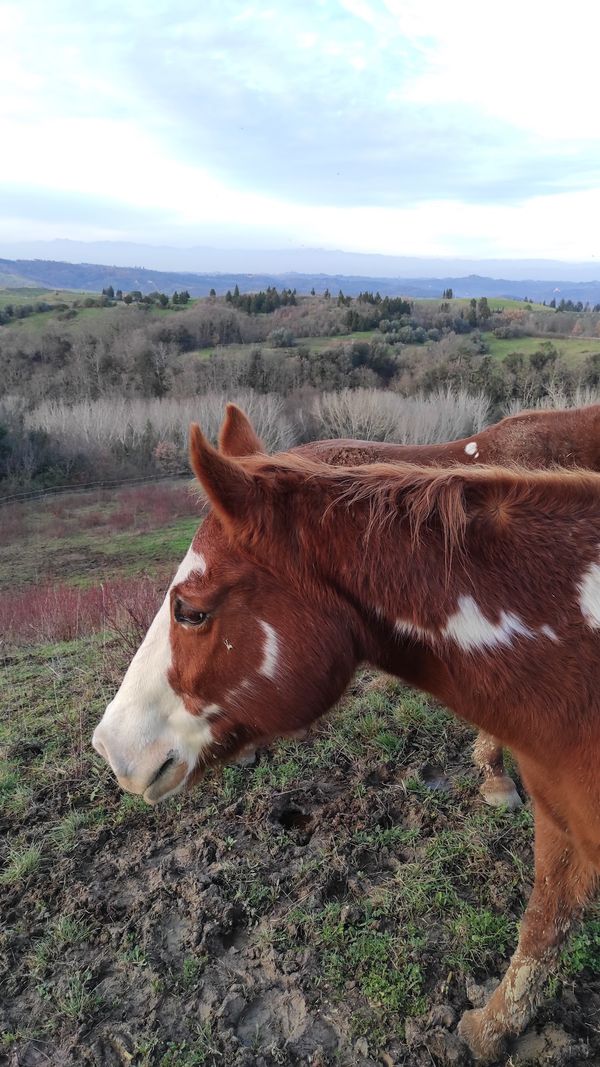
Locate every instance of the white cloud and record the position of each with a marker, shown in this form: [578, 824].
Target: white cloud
[401, 126]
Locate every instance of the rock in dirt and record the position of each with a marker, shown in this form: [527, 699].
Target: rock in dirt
[551, 1047]
[447, 1048]
[442, 1015]
[478, 995]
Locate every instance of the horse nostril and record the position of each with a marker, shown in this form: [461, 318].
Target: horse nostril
[170, 760]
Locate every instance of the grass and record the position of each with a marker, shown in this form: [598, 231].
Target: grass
[61, 933]
[315, 344]
[31, 294]
[82, 558]
[82, 315]
[23, 860]
[495, 303]
[583, 950]
[75, 999]
[571, 350]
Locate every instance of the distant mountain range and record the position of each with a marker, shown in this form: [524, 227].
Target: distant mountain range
[206, 259]
[59, 274]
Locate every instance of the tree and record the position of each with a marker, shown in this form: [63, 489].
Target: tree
[483, 309]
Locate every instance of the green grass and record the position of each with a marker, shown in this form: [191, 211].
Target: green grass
[315, 344]
[75, 999]
[83, 315]
[582, 953]
[85, 558]
[495, 303]
[23, 860]
[571, 350]
[31, 294]
[61, 933]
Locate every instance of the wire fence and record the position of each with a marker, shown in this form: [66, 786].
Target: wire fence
[88, 487]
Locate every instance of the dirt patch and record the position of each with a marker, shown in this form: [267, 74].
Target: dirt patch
[340, 902]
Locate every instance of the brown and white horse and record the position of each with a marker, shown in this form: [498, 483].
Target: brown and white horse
[303, 570]
[537, 439]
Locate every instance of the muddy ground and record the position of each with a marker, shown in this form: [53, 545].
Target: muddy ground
[341, 902]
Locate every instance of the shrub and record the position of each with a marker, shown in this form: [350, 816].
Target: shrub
[374, 415]
[58, 612]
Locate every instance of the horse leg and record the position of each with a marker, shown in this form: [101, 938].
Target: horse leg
[497, 788]
[563, 882]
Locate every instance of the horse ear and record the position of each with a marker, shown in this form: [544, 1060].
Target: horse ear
[237, 436]
[227, 485]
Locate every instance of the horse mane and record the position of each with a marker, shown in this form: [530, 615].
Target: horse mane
[446, 498]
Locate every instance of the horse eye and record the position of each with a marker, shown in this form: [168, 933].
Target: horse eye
[187, 615]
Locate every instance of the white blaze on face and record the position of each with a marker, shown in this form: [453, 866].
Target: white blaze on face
[147, 723]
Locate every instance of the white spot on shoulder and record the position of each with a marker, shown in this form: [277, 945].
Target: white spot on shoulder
[589, 596]
[472, 449]
[472, 631]
[547, 631]
[268, 666]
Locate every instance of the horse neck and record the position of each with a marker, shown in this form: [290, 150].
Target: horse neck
[368, 553]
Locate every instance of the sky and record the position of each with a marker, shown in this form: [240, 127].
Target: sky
[404, 127]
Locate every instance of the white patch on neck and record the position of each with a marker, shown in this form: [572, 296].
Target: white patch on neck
[472, 449]
[472, 631]
[589, 596]
[268, 666]
[547, 631]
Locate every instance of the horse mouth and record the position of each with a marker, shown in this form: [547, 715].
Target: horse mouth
[167, 780]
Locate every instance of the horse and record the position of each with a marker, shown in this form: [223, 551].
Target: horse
[541, 438]
[303, 570]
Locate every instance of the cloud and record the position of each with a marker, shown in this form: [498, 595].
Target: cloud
[361, 112]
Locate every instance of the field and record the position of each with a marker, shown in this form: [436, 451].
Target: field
[340, 902]
[571, 350]
[38, 321]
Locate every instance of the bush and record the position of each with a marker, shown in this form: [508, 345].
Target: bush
[374, 415]
[281, 338]
[140, 427]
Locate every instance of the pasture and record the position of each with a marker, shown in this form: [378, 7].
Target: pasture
[572, 351]
[339, 902]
